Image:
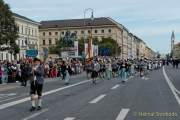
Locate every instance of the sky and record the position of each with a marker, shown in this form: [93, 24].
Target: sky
[151, 20]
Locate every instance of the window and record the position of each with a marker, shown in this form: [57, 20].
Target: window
[89, 31]
[35, 32]
[56, 33]
[26, 42]
[22, 30]
[96, 31]
[109, 30]
[26, 31]
[102, 31]
[44, 42]
[32, 32]
[49, 33]
[50, 41]
[29, 31]
[56, 40]
[18, 29]
[44, 33]
[82, 32]
[62, 33]
[22, 42]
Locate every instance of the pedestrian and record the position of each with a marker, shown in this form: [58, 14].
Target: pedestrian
[36, 85]
[63, 69]
[67, 75]
[5, 73]
[1, 73]
[124, 71]
[95, 71]
[109, 70]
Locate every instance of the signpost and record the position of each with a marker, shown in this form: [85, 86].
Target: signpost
[32, 53]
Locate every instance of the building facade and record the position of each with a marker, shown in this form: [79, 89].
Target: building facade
[28, 37]
[104, 27]
[176, 51]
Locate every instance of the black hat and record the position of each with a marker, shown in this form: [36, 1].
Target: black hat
[36, 59]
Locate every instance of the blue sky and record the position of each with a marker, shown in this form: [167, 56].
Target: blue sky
[151, 20]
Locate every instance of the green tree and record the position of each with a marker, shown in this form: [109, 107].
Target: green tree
[111, 44]
[81, 46]
[8, 29]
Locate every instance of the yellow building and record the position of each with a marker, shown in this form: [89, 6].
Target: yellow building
[103, 27]
[149, 53]
[176, 51]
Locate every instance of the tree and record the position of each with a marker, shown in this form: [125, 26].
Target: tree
[8, 29]
[110, 45]
[81, 46]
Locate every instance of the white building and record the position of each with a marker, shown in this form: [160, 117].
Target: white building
[28, 37]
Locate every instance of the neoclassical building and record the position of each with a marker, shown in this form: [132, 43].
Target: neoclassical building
[131, 46]
[28, 37]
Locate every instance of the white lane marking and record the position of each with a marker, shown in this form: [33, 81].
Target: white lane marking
[11, 98]
[116, 86]
[10, 94]
[35, 114]
[97, 99]
[6, 105]
[69, 118]
[123, 113]
[171, 86]
[146, 78]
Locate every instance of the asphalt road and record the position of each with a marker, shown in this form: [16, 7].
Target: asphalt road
[156, 97]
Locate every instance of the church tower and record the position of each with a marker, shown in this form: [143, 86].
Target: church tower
[172, 41]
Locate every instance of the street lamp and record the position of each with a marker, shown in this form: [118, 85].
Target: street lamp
[92, 18]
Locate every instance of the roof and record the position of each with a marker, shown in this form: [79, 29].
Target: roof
[76, 23]
[24, 18]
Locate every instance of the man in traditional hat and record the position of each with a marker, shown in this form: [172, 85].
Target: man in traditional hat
[37, 84]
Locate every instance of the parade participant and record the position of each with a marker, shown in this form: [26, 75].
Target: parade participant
[67, 75]
[25, 72]
[37, 84]
[109, 70]
[63, 69]
[95, 71]
[123, 70]
[102, 69]
[5, 73]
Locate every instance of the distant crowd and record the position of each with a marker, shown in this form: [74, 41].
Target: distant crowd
[21, 71]
[103, 67]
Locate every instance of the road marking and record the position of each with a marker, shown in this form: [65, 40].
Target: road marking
[8, 87]
[146, 78]
[116, 86]
[10, 94]
[97, 99]
[69, 118]
[171, 86]
[6, 105]
[11, 98]
[123, 113]
[35, 114]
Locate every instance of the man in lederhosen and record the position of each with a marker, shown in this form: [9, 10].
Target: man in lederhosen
[37, 84]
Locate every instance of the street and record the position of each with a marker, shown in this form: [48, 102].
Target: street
[137, 99]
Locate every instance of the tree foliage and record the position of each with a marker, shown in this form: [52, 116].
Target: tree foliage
[111, 45]
[8, 29]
